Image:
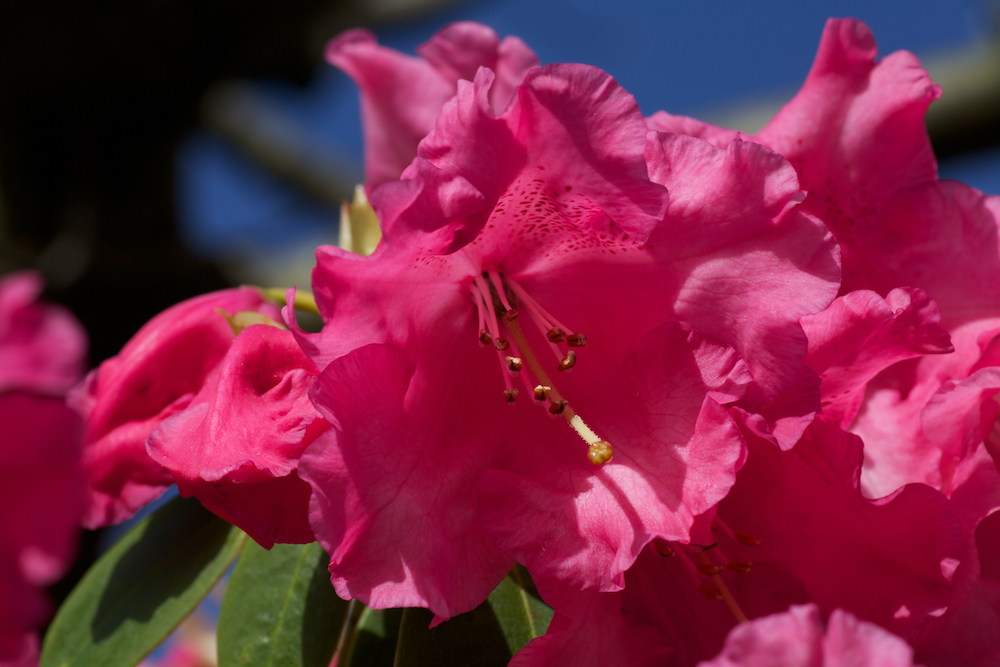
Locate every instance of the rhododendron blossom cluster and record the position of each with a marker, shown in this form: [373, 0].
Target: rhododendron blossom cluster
[729, 400]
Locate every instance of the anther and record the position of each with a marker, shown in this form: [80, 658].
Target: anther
[741, 566]
[567, 362]
[555, 335]
[511, 315]
[711, 592]
[663, 549]
[557, 407]
[576, 340]
[746, 538]
[500, 344]
[542, 392]
[599, 453]
[510, 395]
[513, 364]
[708, 569]
[485, 337]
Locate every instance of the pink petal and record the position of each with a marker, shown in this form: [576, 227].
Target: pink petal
[401, 95]
[806, 507]
[155, 375]
[748, 284]
[855, 134]
[394, 483]
[571, 126]
[236, 446]
[42, 346]
[861, 334]
[795, 639]
[42, 494]
[661, 121]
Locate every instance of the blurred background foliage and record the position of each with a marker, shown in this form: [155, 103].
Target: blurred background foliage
[151, 150]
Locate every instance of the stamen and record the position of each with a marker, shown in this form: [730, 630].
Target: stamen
[741, 536]
[576, 340]
[555, 335]
[598, 451]
[663, 548]
[558, 407]
[708, 569]
[498, 286]
[510, 395]
[746, 538]
[723, 590]
[741, 566]
[501, 344]
[535, 308]
[485, 337]
[513, 364]
[711, 592]
[491, 319]
[567, 362]
[688, 566]
[542, 392]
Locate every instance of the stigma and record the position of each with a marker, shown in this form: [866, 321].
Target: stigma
[499, 301]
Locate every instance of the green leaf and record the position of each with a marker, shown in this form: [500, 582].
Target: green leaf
[519, 609]
[280, 609]
[138, 591]
[372, 643]
[488, 635]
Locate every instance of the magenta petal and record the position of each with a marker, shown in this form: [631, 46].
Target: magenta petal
[675, 457]
[236, 446]
[790, 639]
[42, 493]
[400, 97]
[767, 267]
[42, 346]
[572, 127]
[155, 375]
[661, 121]
[860, 335]
[851, 642]
[458, 51]
[855, 134]
[795, 639]
[394, 491]
[806, 507]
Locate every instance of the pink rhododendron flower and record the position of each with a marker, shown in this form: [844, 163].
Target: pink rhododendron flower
[236, 445]
[42, 350]
[514, 232]
[156, 375]
[402, 95]
[42, 346]
[42, 495]
[796, 638]
[793, 529]
[856, 137]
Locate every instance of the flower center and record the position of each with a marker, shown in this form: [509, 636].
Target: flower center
[494, 297]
